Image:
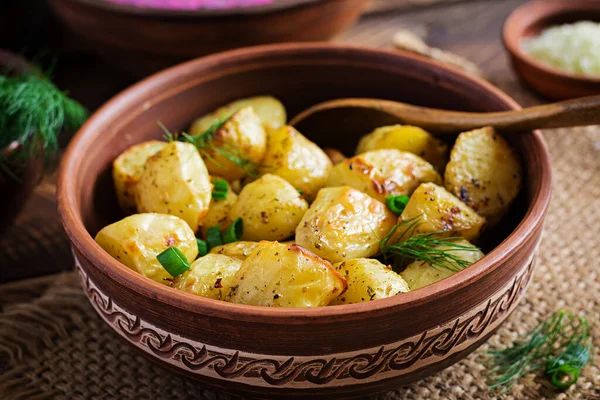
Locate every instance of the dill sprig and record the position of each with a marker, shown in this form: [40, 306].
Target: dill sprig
[207, 141]
[33, 113]
[561, 344]
[434, 248]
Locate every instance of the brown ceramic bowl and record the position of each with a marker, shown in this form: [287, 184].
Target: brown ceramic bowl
[530, 20]
[350, 350]
[145, 40]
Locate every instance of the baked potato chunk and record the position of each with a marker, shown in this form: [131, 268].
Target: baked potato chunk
[406, 138]
[421, 273]
[270, 207]
[127, 171]
[175, 181]
[269, 109]
[242, 136]
[209, 276]
[380, 173]
[136, 241]
[335, 155]
[368, 279]
[218, 210]
[484, 172]
[440, 211]
[297, 160]
[344, 223]
[238, 250]
[285, 275]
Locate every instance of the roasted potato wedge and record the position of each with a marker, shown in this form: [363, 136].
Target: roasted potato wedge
[209, 276]
[335, 155]
[285, 275]
[420, 273]
[238, 250]
[218, 211]
[242, 136]
[297, 160]
[175, 181]
[380, 173]
[484, 172]
[440, 211]
[344, 223]
[269, 109]
[368, 279]
[270, 207]
[406, 138]
[136, 241]
[127, 171]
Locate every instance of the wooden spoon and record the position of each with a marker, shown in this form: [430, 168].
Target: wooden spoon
[576, 112]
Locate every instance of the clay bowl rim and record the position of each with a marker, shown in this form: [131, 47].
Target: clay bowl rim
[275, 6]
[108, 266]
[533, 12]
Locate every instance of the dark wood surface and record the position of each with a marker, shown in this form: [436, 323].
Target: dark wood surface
[37, 246]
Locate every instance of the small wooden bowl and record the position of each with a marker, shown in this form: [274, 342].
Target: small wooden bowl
[530, 20]
[145, 40]
[346, 351]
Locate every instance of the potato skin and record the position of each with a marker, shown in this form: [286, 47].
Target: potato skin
[344, 223]
[380, 173]
[420, 273]
[285, 275]
[297, 160]
[406, 138]
[209, 276]
[238, 250]
[368, 279]
[127, 171]
[175, 181]
[484, 172]
[245, 133]
[270, 110]
[335, 155]
[270, 207]
[136, 241]
[439, 210]
[218, 210]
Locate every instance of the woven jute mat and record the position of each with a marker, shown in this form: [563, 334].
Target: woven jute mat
[53, 345]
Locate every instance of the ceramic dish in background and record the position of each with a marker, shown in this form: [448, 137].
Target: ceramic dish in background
[144, 40]
[530, 20]
[347, 351]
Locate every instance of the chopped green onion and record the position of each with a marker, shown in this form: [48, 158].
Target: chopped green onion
[202, 247]
[234, 232]
[213, 237]
[174, 261]
[300, 192]
[220, 189]
[396, 203]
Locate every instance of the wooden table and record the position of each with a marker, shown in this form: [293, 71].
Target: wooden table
[37, 246]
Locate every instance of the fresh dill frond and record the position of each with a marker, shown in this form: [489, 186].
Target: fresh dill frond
[434, 248]
[561, 344]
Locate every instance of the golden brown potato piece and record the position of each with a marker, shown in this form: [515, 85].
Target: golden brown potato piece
[209, 276]
[420, 273]
[270, 208]
[368, 279]
[175, 181]
[242, 136]
[406, 138]
[238, 250]
[297, 160]
[484, 172]
[439, 210]
[218, 211]
[344, 223]
[268, 108]
[380, 173]
[136, 241]
[285, 275]
[335, 155]
[128, 169]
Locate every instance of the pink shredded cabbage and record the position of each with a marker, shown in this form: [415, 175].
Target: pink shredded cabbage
[192, 4]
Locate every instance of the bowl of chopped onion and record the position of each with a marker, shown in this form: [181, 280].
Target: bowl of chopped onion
[555, 47]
